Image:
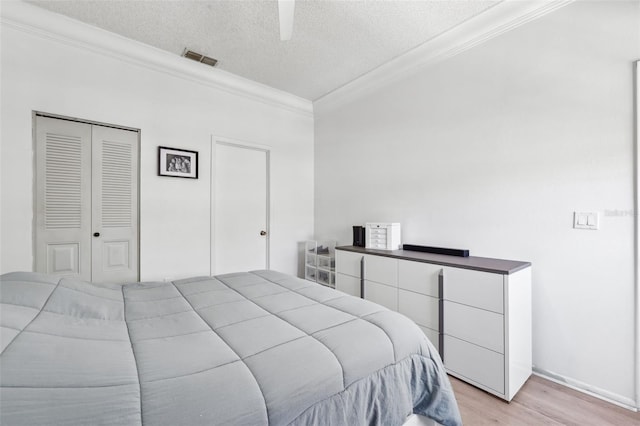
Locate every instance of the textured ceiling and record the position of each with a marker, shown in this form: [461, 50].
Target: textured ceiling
[333, 43]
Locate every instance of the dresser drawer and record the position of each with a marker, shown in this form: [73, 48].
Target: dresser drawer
[348, 262]
[483, 328]
[423, 310]
[472, 362]
[381, 294]
[419, 277]
[432, 335]
[381, 269]
[474, 288]
[348, 284]
[378, 231]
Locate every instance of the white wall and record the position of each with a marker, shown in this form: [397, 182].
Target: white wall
[43, 72]
[492, 150]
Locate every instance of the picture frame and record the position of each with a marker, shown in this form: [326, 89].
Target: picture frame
[176, 162]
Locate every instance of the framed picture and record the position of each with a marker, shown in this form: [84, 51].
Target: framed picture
[177, 162]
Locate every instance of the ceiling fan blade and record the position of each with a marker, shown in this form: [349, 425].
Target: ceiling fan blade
[285, 12]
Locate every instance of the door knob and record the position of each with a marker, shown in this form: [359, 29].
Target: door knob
[96, 234]
[263, 233]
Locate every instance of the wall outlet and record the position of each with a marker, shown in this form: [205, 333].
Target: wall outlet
[586, 220]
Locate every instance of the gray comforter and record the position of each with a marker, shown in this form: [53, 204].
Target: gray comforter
[252, 348]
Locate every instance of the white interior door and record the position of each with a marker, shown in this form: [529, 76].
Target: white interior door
[114, 205]
[63, 197]
[86, 205]
[241, 211]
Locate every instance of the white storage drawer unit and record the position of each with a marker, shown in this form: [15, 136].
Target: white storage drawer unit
[319, 262]
[487, 323]
[476, 311]
[383, 236]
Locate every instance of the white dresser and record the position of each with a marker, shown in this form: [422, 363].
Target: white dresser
[476, 311]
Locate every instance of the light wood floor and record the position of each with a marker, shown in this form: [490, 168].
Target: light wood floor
[539, 402]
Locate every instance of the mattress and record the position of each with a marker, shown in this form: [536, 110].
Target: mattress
[250, 348]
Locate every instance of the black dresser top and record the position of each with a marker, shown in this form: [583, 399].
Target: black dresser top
[486, 264]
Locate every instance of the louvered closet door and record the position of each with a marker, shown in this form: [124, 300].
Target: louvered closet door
[114, 205]
[86, 201]
[63, 200]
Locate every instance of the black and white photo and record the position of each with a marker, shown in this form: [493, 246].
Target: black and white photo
[177, 162]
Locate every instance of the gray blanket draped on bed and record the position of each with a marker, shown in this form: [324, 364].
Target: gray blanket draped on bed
[252, 348]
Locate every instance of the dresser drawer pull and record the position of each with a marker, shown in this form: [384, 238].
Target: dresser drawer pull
[441, 313]
[362, 277]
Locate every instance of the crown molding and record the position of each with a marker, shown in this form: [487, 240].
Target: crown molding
[498, 20]
[49, 25]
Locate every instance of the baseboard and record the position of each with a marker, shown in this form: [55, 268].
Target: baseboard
[602, 394]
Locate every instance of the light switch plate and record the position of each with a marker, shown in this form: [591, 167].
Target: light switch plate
[585, 220]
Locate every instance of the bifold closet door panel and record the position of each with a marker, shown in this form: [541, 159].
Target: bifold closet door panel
[63, 197]
[114, 205]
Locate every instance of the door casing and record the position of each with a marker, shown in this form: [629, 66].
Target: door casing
[215, 141]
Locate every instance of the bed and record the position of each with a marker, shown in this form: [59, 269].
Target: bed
[251, 348]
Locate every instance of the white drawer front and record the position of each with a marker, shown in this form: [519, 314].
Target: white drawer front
[423, 310]
[348, 284]
[419, 277]
[432, 335]
[475, 363]
[484, 328]
[378, 244]
[474, 288]
[381, 294]
[348, 262]
[381, 270]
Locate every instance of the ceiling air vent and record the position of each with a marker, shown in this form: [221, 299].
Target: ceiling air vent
[190, 54]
